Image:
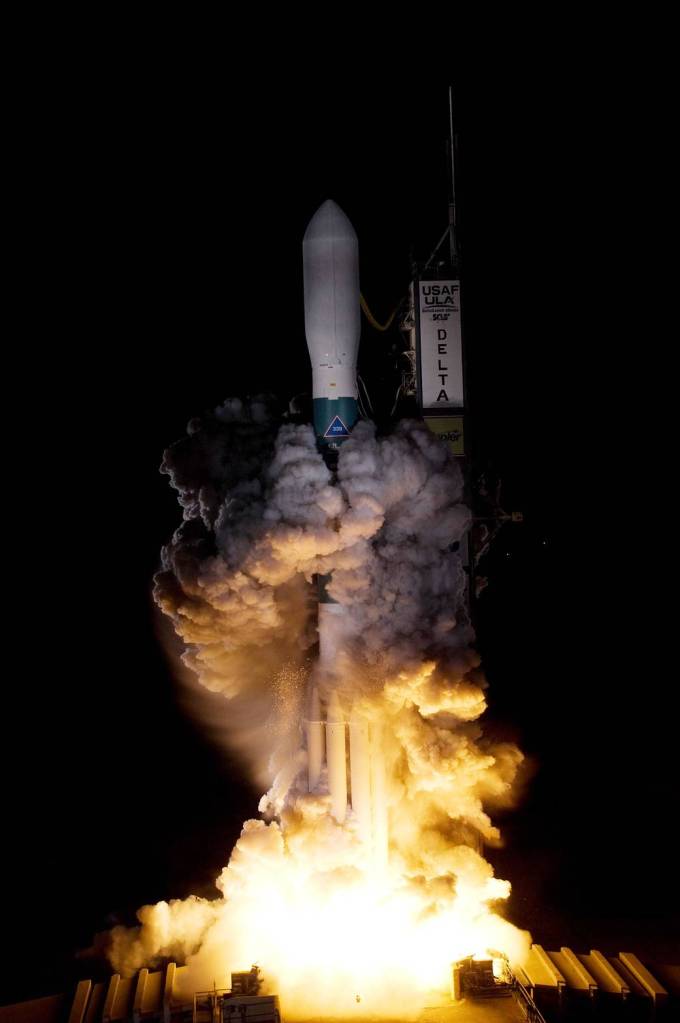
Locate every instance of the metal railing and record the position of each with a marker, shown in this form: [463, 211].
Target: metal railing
[208, 1005]
[526, 1002]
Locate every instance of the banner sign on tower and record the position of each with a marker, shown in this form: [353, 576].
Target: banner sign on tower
[440, 347]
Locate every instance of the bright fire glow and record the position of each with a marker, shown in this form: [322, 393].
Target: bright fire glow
[351, 945]
[335, 934]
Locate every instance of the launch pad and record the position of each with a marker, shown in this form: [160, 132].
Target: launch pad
[552, 986]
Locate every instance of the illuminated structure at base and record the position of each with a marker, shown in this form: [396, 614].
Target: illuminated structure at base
[559, 985]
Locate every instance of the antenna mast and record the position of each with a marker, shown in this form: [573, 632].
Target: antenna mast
[452, 185]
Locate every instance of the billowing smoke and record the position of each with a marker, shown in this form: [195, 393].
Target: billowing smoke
[243, 614]
[263, 515]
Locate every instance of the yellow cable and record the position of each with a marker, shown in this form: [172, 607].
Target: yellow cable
[371, 318]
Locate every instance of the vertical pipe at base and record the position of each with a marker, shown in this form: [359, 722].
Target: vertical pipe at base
[315, 740]
[360, 775]
[336, 758]
[379, 799]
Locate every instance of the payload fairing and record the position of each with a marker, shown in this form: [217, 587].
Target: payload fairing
[330, 255]
[332, 326]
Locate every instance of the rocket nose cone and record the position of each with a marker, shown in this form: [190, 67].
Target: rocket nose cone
[329, 221]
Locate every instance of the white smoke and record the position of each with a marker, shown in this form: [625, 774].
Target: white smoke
[263, 516]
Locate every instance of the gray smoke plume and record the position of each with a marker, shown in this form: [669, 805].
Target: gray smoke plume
[263, 515]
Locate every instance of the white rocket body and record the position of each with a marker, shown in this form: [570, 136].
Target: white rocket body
[336, 754]
[332, 325]
[330, 254]
[315, 739]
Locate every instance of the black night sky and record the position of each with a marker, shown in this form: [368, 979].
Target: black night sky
[161, 269]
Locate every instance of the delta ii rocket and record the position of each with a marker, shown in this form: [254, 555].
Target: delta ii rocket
[332, 325]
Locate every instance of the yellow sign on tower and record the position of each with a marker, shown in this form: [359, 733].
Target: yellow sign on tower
[450, 429]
